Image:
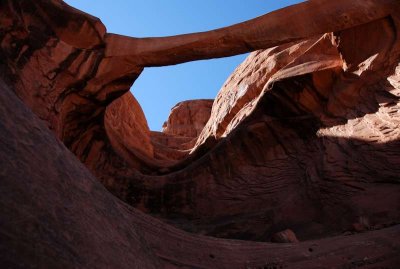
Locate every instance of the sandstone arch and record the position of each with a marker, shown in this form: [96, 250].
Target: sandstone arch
[302, 133]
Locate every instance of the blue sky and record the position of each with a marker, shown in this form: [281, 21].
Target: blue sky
[158, 89]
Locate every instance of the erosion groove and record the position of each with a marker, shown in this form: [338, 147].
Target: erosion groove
[295, 164]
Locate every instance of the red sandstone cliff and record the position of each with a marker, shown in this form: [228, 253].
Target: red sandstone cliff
[301, 143]
[188, 118]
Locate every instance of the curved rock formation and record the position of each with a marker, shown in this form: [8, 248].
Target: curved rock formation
[127, 129]
[301, 143]
[188, 118]
[60, 216]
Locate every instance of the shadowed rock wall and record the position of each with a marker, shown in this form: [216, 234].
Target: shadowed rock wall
[301, 143]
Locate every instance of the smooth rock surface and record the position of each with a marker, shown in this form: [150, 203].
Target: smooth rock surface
[60, 216]
[303, 135]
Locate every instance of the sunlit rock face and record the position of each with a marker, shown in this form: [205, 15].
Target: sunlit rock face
[127, 128]
[301, 143]
[188, 118]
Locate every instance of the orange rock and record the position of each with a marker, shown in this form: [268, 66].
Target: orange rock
[286, 236]
[188, 118]
[127, 128]
[54, 213]
[304, 134]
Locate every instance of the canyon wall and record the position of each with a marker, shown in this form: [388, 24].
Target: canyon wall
[301, 145]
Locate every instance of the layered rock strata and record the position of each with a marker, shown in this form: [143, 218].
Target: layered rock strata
[301, 143]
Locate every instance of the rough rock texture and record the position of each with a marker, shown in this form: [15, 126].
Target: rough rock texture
[60, 216]
[302, 143]
[239, 95]
[171, 147]
[188, 118]
[312, 141]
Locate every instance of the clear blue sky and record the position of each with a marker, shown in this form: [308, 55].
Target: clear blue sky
[159, 89]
